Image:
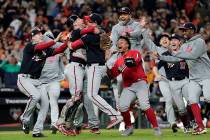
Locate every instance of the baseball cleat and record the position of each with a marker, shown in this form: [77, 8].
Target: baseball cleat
[128, 131]
[157, 131]
[38, 135]
[85, 126]
[62, 130]
[25, 128]
[199, 131]
[95, 131]
[78, 130]
[71, 133]
[114, 122]
[54, 129]
[174, 128]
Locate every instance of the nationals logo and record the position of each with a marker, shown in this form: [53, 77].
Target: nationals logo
[188, 49]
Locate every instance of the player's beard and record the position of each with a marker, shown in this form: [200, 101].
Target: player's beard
[121, 22]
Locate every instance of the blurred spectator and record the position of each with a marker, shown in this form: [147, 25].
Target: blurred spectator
[9, 69]
[17, 17]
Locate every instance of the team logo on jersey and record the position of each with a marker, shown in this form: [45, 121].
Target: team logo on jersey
[188, 49]
[170, 65]
[39, 56]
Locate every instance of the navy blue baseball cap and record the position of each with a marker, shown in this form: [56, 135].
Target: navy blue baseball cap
[164, 35]
[94, 17]
[175, 36]
[124, 10]
[71, 20]
[35, 31]
[188, 26]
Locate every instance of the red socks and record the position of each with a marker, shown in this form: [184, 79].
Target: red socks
[197, 114]
[126, 118]
[151, 117]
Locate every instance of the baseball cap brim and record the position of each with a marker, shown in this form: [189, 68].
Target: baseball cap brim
[178, 38]
[124, 12]
[35, 32]
[182, 28]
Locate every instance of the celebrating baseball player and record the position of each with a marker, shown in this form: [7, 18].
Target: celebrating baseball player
[177, 74]
[194, 52]
[52, 74]
[125, 27]
[96, 68]
[75, 73]
[163, 84]
[34, 57]
[134, 83]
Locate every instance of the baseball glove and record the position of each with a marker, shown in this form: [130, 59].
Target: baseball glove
[105, 42]
[130, 62]
[74, 117]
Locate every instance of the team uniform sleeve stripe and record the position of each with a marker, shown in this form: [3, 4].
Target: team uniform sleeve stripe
[87, 30]
[77, 44]
[44, 45]
[60, 49]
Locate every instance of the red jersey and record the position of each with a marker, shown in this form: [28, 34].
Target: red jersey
[130, 75]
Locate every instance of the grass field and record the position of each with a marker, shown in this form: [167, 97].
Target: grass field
[140, 134]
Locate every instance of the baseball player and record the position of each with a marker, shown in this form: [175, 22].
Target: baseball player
[163, 84]
[194, 52]
[75, 72]
[34, 56]
[134, 83]
[96, 68]
[125, 27]
[177, 75]
[52, 74]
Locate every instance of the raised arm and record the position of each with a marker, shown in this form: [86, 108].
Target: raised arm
[61, 48]
[171, 59]
[43, 45]
[76, 44]
[197, 49]
[114, 38]
[150, 45]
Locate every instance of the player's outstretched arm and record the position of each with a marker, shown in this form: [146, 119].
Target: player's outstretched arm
[192, 52]
[76, 44]
[61, 48]
[44, 45]
[171, 59]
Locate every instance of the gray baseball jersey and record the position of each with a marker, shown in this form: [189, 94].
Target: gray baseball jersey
[194, 51]
[51, 75]
[163, 84]
[133, 28]
[53, 69]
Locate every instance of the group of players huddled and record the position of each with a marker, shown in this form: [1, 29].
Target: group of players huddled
[181, 68]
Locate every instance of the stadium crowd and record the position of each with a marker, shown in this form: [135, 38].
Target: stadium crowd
[18, 17]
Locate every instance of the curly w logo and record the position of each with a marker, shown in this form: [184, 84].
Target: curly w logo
[188, 49]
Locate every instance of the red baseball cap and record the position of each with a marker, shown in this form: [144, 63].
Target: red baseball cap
[94, 18]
